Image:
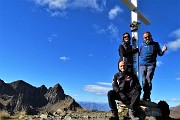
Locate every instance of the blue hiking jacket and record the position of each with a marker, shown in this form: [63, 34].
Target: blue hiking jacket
[149, 52]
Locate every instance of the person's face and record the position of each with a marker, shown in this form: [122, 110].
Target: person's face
[147, 36]
[122, 66]
[126, 38]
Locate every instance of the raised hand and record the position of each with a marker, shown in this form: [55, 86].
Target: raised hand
[164, 48]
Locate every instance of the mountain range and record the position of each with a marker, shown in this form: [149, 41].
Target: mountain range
[95, 106]
[20, 96]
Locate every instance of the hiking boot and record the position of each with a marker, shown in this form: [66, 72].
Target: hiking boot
[131, 115]
[114, 115]
[146, 99]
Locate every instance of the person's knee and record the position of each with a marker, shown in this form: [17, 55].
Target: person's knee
[150, 84]
[145, 83]
[110, 92]
[137, 92]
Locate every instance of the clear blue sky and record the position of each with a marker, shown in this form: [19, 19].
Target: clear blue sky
[75, 43]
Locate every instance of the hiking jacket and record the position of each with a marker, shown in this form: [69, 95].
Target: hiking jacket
[149, 52]
[126, 53]
[125, 82]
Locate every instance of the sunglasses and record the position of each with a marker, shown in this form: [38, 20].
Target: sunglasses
[147, 37]
[125, 36]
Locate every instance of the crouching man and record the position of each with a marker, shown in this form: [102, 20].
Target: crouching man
[126, 88]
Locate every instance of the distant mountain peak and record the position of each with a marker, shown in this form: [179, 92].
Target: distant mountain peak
[19, 83]
[58, 88]
[2, 82]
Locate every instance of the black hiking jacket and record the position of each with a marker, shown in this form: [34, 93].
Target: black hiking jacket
[120, 83]
[126, 53]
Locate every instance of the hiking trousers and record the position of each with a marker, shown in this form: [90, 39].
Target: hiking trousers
[147, 76]
[133, 98]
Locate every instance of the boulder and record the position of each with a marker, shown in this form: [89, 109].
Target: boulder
[147, 110]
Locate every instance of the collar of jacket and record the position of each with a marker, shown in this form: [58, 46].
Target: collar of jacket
[148, 42]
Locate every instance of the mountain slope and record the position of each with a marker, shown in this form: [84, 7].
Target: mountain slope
[21, 96]
[175, 112]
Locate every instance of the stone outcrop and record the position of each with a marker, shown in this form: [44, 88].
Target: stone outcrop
[20, 96]
[146, 111]
[55, 94]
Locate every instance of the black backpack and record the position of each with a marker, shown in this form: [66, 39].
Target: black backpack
[164, 107]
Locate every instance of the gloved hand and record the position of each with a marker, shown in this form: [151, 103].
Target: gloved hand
[135, 50]
[123, 97]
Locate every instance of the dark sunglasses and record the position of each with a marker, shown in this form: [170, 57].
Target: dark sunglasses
[125, 36]
[147, 37]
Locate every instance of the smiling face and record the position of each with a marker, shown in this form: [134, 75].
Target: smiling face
[122, 66]
[147, 36]
[126, 38]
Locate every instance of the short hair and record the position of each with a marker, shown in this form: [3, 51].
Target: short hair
[147, 32]
[126, 33]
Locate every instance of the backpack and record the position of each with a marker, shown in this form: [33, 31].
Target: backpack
[164, 107]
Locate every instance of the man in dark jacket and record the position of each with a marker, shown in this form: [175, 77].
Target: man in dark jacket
[126, 88]
[126, 51]
[148, 54]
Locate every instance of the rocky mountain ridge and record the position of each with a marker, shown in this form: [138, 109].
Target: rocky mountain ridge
[20, 96]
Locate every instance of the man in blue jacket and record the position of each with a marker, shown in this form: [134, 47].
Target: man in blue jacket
[148, 54]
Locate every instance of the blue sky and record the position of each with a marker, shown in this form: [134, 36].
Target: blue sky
[75, 43]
